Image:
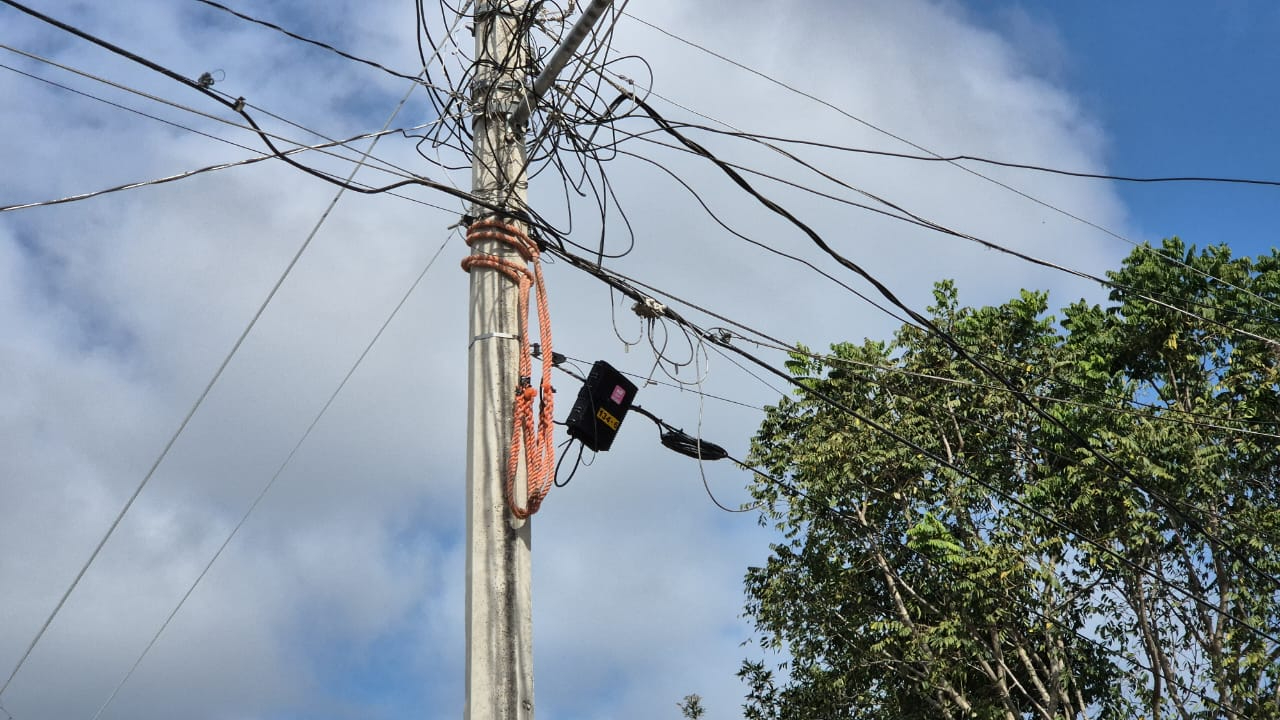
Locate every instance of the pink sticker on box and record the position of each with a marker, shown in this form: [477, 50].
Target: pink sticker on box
[619, 394]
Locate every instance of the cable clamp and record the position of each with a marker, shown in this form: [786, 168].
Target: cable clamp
[492, 335]
[649, 308]
[535, 350]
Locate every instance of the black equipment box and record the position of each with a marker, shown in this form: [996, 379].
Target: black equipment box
[602, 404]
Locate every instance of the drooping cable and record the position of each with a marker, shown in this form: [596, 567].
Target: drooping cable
[622, 286]
[317, 43]
[238, 106]
[933, 155]
[262, 307]
[1146, 488]
[190, 173]
[284, 465]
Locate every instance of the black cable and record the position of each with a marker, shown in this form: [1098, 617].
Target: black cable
[238, 105]
[904, 215]
[317, 43]
[127, 108]
[576, 464]
[791, 491]
[956, 346]
[1000, 163]
[624, 287]
[679, 441]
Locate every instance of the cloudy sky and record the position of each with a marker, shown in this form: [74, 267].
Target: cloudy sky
[342, 594]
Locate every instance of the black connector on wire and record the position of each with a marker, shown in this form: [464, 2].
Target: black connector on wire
[677, 440]
[685, 444]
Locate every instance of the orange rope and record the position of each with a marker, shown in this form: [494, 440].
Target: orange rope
[537, 441]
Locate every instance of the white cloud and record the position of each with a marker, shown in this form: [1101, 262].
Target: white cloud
[117, 310]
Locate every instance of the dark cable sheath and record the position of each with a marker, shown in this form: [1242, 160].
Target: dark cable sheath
[237, 106]
[998, 163]
[317, 43]
[625, 288]
[950, 341]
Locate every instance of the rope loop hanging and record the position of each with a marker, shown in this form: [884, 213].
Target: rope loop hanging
[531, 431]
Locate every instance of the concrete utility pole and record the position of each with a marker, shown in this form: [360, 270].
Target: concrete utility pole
[499, 616]
[499, 609]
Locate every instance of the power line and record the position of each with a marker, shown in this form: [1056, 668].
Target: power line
[870, 125]
[250, 127]
[1025, 166]
[238, 106]
[1148, 490]
[622, 286]
[317, 43]
[272, 481]
[685, 445]
[190, 173]
[126, 108]
[899, 213]
[190, 413]
[937, 156]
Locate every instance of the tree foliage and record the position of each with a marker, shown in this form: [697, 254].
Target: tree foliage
[1116, 559]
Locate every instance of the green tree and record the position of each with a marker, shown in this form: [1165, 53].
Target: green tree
[691, 707]
[1114, 556]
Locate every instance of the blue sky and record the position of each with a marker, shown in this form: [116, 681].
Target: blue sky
[1179, 89]
[342, 595]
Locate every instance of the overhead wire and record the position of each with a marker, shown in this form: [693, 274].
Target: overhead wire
[208, 386]
[284, 465]
[608, 277]
[323, 45]
[897, 212]
[238, 106]
[1170, 504]
[188, 109]
[126, 108]
[1150, 179]
[197, 171]
[685, 445]
[845, 113]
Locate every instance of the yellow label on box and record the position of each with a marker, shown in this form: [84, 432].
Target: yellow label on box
[605, 417]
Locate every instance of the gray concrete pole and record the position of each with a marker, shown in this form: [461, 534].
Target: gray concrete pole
[499, 661]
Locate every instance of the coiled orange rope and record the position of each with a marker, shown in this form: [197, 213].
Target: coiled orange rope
[536, 439]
